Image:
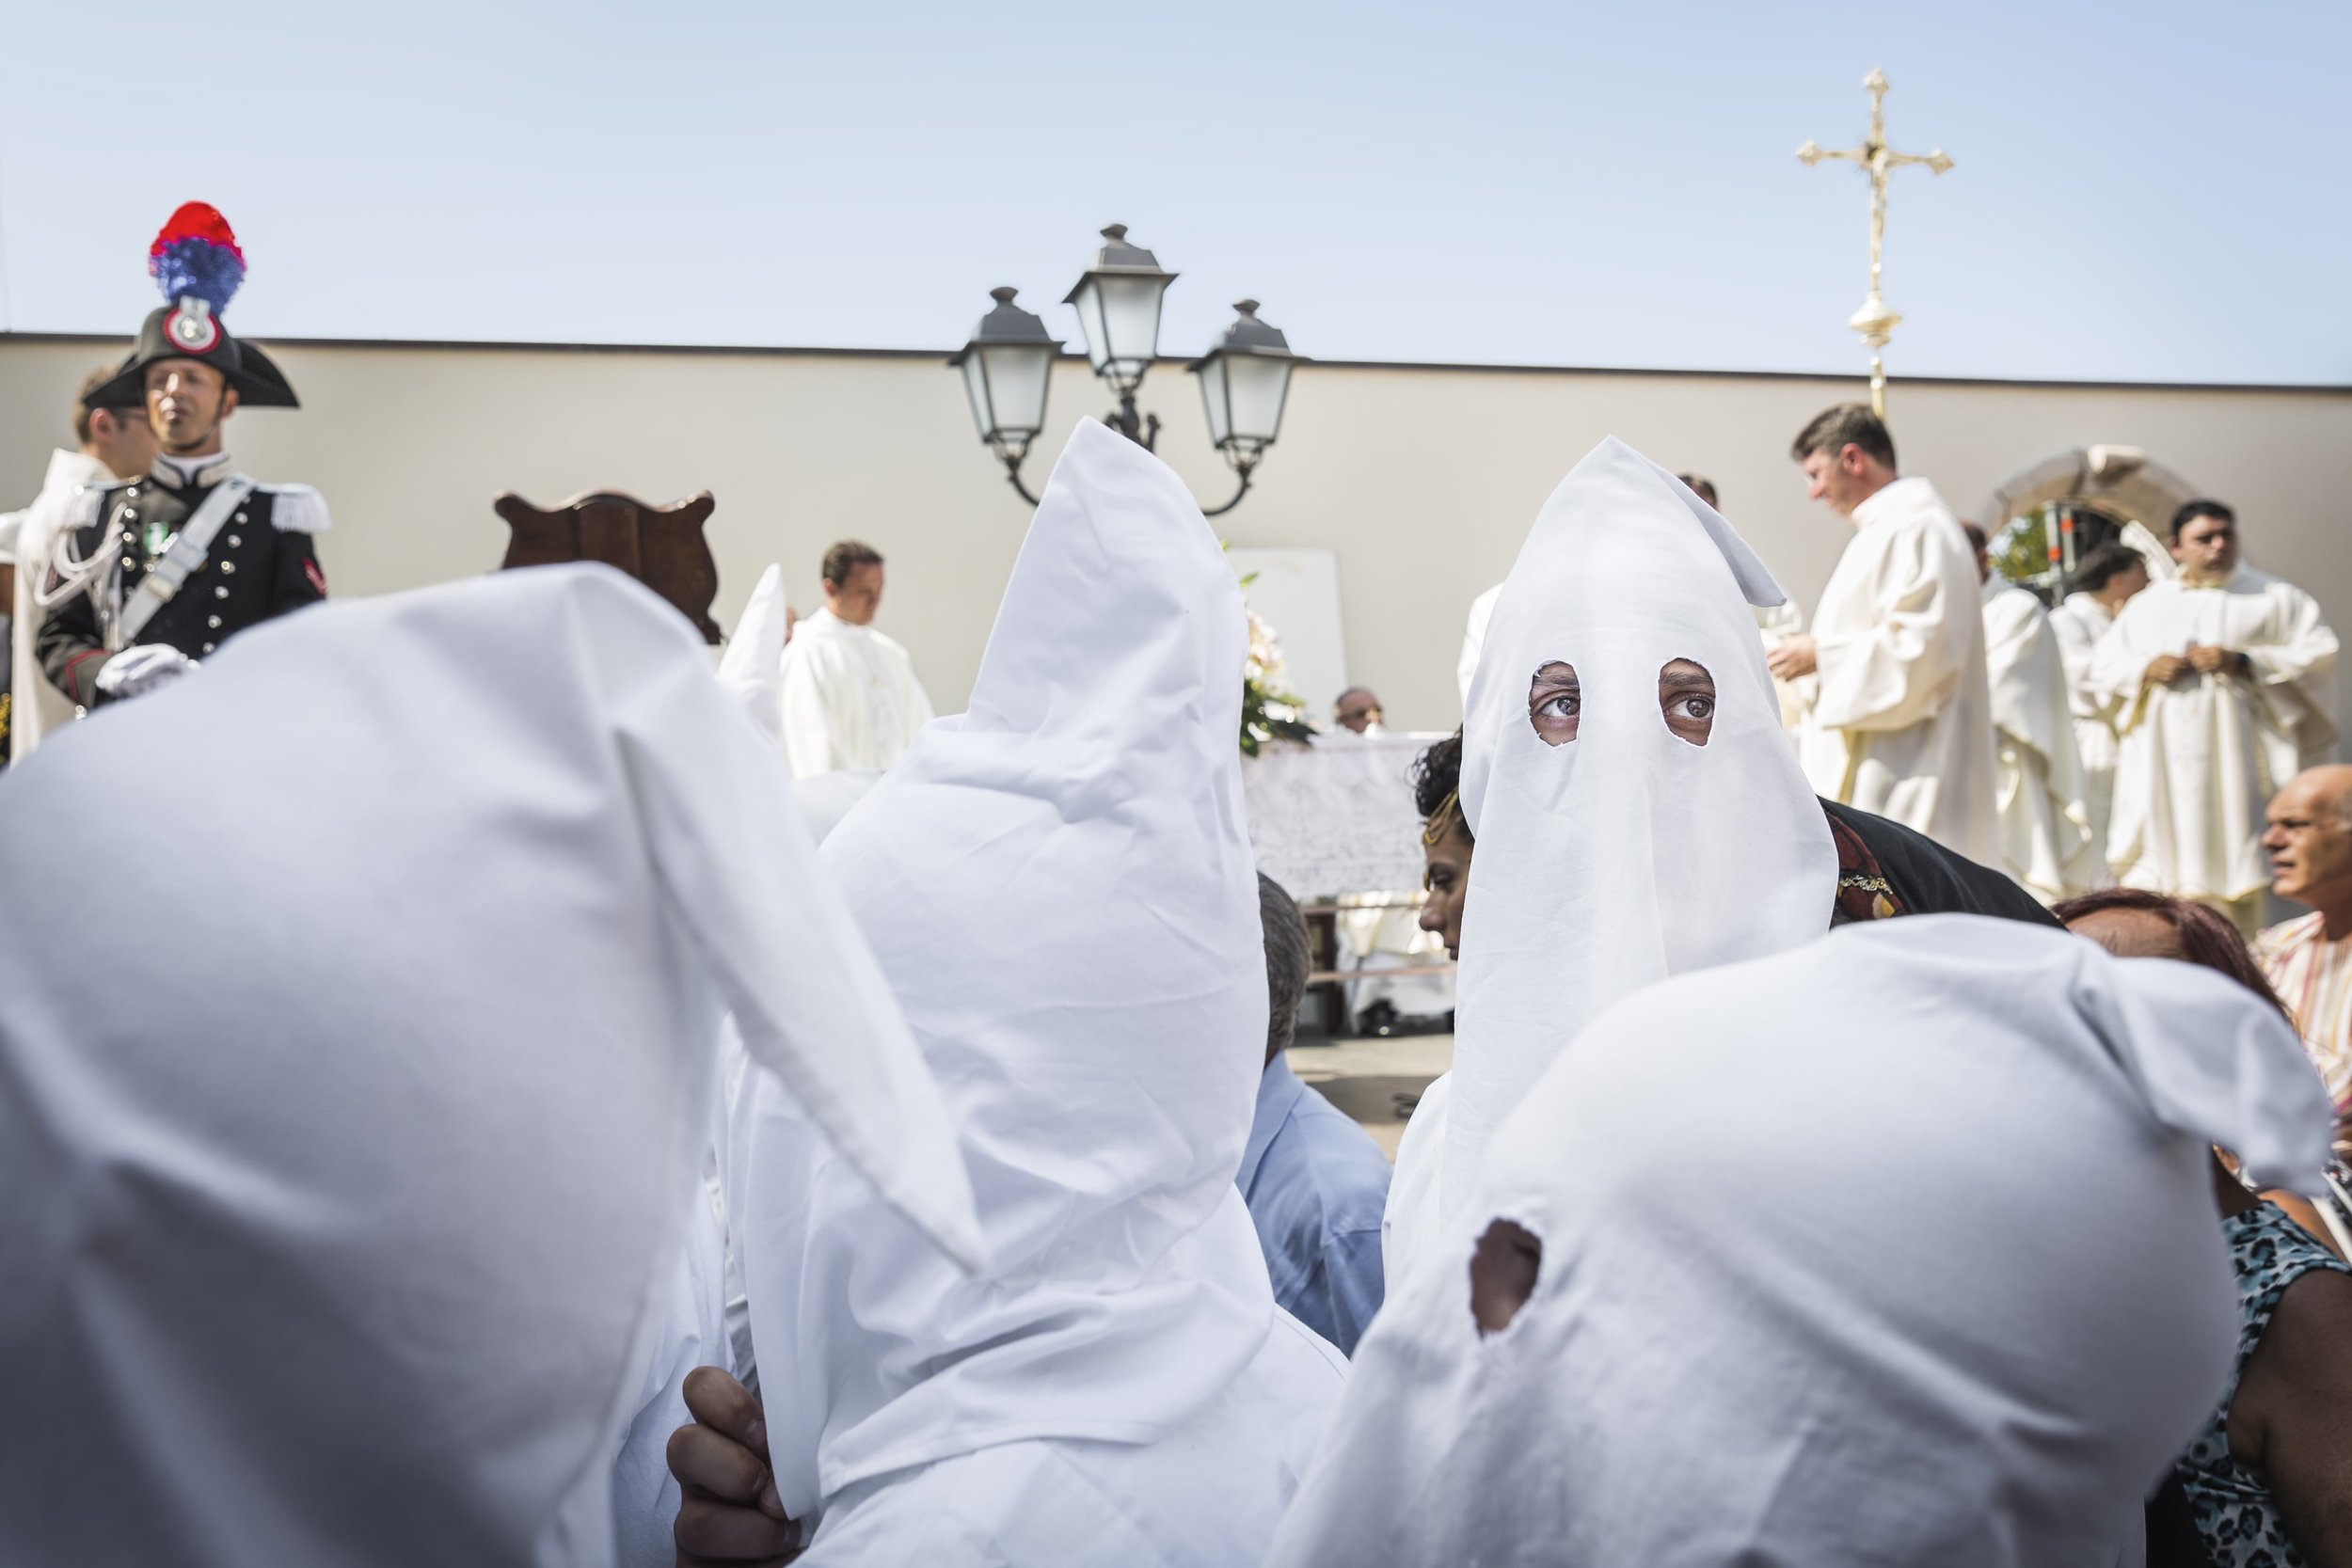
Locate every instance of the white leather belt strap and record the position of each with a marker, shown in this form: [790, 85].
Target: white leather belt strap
[180, 561]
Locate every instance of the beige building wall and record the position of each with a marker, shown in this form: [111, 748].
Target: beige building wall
[1423, 480]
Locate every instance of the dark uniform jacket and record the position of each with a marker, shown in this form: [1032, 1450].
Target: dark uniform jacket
[261, 563]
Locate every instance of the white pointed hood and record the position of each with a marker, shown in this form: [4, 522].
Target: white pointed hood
[344, 1145]
[1897, 1248]
[753, 666]
[1059, 886]
[1628, 854]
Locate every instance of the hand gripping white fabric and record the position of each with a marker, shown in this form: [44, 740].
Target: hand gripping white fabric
[333, 1239]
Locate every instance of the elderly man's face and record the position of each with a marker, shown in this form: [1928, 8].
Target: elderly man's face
[2309, 841]
[1358, 711]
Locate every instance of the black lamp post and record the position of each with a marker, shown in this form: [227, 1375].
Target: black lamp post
[1245, 377]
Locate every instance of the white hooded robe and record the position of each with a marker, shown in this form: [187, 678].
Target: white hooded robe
[1813, 1290]
[1061, 888]
[343, 1233]
[1628, 854]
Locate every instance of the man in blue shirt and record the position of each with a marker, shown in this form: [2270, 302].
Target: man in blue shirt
[1314, 1182]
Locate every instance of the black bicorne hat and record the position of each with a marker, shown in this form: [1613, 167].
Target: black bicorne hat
[197, 262]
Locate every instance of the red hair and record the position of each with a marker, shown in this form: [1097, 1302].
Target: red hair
[2206, 938]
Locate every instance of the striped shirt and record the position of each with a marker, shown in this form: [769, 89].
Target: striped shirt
[2313, 977]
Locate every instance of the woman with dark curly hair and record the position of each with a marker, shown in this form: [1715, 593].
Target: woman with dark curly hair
[2269, 1480]
[1446, 841]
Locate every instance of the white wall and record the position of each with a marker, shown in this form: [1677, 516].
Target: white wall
[1421, 480]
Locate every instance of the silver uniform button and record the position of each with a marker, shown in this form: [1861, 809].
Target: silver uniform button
[130, 514]
[208, 647]
[213, 621]
[240, 518]
[220, 592]
[234, 541]
[228, 565]
[128, 561]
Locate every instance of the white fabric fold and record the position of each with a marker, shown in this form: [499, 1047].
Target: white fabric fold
[1899, 1247]
[338, 1230]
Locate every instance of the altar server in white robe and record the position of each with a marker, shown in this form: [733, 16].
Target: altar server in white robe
[2225, 681]
[1631, 850]
[1901, 722]
[1748, 1279]
[2046, 842]
[1059, 886]
[851, 699]
[2105, 578]
[343, 1235]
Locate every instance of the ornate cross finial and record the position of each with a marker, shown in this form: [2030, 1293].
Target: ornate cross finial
[1876, 321]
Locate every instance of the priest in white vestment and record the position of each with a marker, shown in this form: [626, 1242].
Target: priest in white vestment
[851, 699]
[343, 1236]
[113, 443]
[2225, 677]
[1901, 723]
[2046, 842]
[2105, 578]
[1059, 886]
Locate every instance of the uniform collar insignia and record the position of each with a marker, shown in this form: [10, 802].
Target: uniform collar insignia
[171, 474]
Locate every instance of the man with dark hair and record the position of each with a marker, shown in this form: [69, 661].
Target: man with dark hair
[2224, 682]
[850, 696]
[1901, 722]
[2106, 577]
[110, 444]
[1314, 1182]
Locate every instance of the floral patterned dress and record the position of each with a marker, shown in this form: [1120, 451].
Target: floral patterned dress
[2236, 1518]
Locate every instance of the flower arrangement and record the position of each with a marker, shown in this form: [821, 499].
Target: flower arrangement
[1268, 712]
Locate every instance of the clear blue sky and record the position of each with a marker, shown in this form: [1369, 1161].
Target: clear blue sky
[2144, 192]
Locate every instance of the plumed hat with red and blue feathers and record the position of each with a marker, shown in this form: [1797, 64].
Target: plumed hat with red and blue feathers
[197, 262]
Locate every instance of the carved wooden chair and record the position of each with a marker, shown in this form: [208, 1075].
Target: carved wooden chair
[661, 546]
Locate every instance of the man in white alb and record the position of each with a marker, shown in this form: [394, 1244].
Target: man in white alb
[2046, 843]
[2225, 677]
[2106, 577]
[851, 699]
[1901, 723]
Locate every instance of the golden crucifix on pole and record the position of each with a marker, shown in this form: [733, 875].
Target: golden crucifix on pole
[1875, 321]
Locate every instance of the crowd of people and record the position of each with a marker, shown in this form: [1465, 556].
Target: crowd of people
[625, 1112]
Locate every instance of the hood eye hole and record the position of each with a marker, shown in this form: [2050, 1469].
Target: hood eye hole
[1686, 700]
[1554, 701]
[1503, 1270]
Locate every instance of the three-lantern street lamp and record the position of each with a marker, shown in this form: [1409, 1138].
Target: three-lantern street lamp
[1244, 377]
